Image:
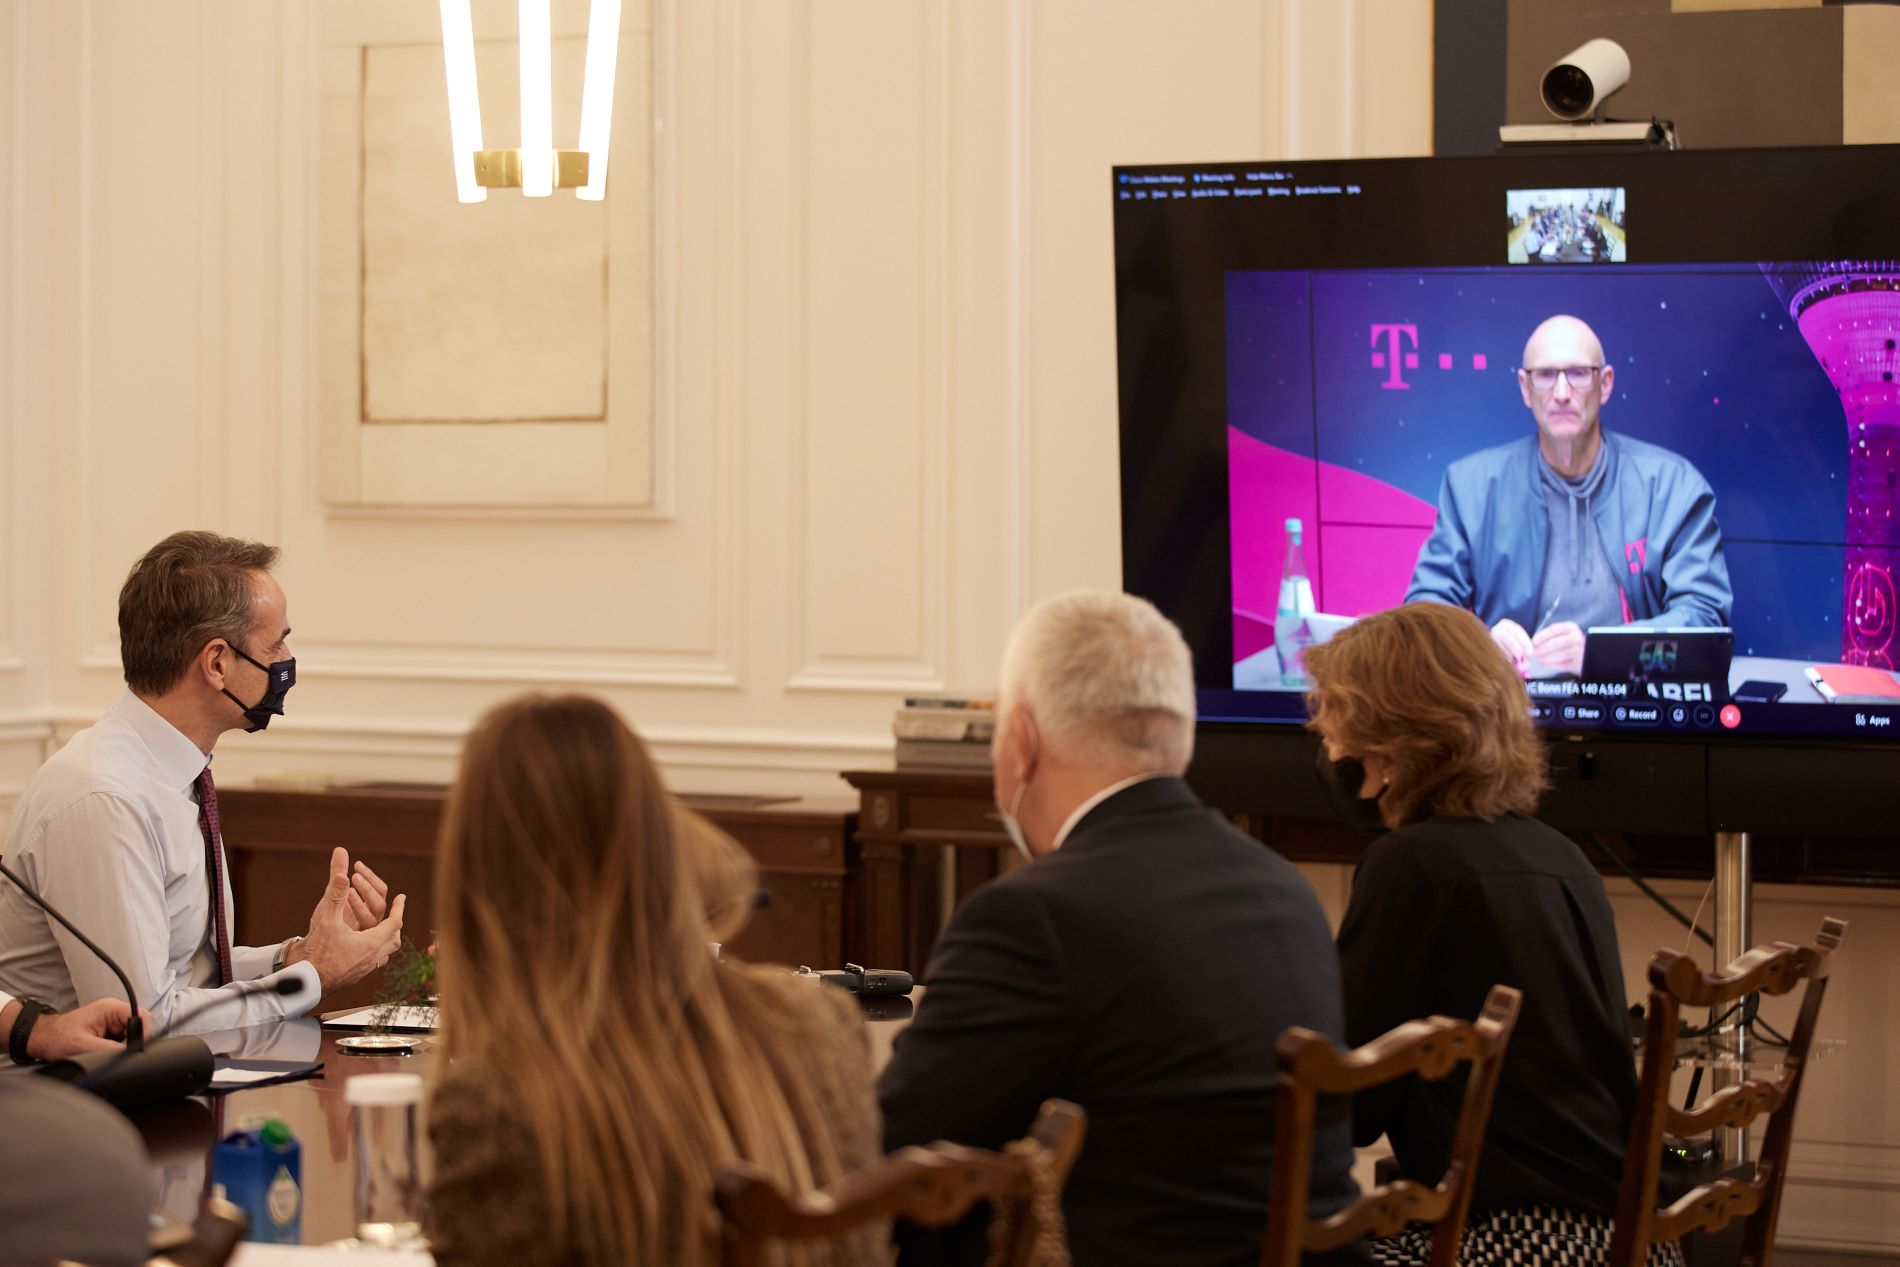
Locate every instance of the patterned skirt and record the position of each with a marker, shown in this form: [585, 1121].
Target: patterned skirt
[1534, 1236]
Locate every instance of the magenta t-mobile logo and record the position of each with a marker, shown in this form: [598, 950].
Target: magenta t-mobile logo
[1396, 358]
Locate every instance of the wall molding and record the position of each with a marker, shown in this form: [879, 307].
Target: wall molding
[82, 283]
[594, 667]
[369, 741]
[25, 728]
[1021, 352]
[12, 251]
[1839, 1164]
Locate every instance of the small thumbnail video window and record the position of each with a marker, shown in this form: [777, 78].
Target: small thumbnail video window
[1565, 226]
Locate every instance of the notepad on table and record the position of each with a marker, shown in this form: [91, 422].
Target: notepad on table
[408, 1018]
[233, 1075]
[343, 1255]
[1854, 684]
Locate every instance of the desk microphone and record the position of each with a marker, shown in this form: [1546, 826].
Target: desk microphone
[137, 1075]
[169, 1067]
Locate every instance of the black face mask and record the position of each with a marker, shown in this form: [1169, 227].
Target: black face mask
[1341, 781]
[283, 676]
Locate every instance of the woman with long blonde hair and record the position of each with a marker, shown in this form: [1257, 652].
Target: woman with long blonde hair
[601, 1064]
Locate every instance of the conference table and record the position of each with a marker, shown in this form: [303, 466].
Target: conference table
[179, 1137]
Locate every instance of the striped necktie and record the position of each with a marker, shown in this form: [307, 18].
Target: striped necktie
[214, 867]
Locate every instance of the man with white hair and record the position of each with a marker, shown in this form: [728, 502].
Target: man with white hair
[1142, 965]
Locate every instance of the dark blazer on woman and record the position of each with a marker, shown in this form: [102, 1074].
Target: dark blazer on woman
[1441, 911]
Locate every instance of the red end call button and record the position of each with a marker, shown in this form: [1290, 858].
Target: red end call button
[1731, 716]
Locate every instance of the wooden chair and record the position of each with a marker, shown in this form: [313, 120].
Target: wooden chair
[1432, 1048]
[1675, 980]
[932, 1186]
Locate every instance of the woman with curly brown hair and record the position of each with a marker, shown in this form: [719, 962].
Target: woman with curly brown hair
[1426, 732]
[602, 1065]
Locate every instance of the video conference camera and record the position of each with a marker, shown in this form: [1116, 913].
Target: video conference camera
[1577, 85]
[1576, 88]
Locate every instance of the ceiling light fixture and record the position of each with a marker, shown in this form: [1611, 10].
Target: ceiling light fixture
[536, 168]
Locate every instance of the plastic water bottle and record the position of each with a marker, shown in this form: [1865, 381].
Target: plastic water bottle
[259, 1169]
[1291, 637]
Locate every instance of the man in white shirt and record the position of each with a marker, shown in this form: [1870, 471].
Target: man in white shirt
[119, 830]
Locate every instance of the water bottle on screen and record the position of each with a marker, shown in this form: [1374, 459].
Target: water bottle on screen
[1291, 636]
[389, 1188]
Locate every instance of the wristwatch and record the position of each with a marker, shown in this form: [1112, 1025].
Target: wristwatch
[283, 953]
[30, 1012]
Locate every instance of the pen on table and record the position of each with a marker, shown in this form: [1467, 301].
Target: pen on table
[1545, 620]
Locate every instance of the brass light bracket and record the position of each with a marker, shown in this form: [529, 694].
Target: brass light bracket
[501, 169]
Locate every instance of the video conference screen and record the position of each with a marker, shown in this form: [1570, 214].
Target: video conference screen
[1636, 412]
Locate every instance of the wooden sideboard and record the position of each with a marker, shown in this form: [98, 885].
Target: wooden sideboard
[278, 843]
[868, 882]
[908, 820]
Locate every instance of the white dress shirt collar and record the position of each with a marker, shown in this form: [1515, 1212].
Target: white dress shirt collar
[178, 759]
[1081, 811]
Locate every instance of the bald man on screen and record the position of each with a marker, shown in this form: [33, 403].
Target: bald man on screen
[1573, 526]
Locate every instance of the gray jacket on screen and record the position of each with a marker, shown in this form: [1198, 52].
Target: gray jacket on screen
[1654, 513]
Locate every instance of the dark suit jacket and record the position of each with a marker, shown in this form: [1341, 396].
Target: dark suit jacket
[1442, 909]
[1144, 971]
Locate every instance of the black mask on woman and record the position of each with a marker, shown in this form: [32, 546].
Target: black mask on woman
[1341, 781]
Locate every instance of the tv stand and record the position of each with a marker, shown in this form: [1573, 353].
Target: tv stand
[1733, 930]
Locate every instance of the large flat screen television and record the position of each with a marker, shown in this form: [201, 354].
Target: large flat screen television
[1341, 355]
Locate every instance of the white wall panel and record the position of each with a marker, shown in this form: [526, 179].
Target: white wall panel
[47, 63]
[17, 500]
[867, 419]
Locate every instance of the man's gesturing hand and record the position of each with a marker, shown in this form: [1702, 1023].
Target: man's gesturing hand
[342, 953]
[369, 897]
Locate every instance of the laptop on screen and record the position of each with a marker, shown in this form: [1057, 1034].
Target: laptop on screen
[1666, 664]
